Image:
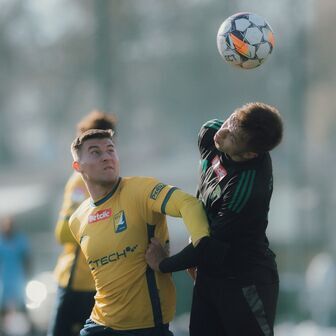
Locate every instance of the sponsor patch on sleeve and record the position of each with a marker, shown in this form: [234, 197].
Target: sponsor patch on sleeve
[156, 191]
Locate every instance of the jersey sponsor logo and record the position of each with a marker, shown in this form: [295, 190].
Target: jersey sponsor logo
[112, 257]
[218, 169]
[120, 223]
[99, 215]
[156, 191]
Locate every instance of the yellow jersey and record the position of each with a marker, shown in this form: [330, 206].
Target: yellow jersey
[114, 233]
[71, 269]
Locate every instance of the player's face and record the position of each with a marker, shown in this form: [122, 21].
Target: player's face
[99, 162]
[230, 139]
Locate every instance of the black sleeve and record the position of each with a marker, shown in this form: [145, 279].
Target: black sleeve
[209, 252]
[186, 258]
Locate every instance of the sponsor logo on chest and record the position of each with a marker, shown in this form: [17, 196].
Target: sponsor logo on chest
[218, 169]
[99, 215]
[112, 257]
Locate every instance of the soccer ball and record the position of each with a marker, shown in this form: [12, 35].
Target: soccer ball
[245, 40]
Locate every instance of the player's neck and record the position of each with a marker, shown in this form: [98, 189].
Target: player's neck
[99, 191]
[241, 157]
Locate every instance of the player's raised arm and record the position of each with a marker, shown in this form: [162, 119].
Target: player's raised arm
[190, 209]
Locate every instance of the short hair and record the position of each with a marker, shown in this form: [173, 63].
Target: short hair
[77, 144]
[262, 125]
[97, 120]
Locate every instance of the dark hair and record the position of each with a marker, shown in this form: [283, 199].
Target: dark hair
[77, 144]
[97, 120]
[262, 125]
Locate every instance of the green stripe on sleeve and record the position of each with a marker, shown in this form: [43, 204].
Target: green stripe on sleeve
[166, 199]
[215, 123]
[248, 193]
[241, 181]
[204, 164]
[243, 191]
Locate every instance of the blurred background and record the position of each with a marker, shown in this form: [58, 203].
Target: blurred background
[155, 64]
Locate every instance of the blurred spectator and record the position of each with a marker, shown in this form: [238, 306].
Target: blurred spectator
[321, 289]
[14, 269]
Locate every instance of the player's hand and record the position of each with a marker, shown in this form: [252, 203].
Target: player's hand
[192, 272]
[155, 254]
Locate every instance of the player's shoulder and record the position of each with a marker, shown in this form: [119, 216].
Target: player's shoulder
[75, 188]
[207, 132]
[79, 218]
[139, 181]
[81, 210]
[261, 163]
[142, 186]
[252, 175]
[215, 124]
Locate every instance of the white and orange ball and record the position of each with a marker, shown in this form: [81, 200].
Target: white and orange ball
[245, 40]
